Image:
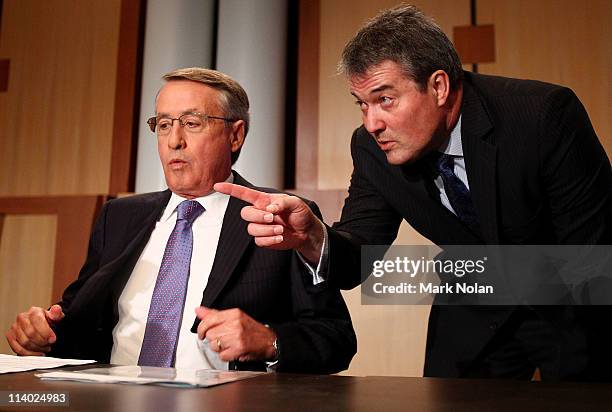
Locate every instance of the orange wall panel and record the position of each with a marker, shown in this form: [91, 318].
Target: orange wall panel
[57, 115]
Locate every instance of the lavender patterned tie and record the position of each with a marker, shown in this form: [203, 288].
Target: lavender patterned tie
[166, 310]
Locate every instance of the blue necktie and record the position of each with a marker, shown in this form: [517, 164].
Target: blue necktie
[166, 309]
[456, 191]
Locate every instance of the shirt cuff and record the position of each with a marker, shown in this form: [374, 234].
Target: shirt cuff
[319, 275]
[271, 366]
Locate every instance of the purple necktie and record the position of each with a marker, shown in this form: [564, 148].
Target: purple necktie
[166, 309]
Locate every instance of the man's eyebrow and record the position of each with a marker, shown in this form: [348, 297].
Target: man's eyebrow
[188, 111]
[382, 88]
[378, 89]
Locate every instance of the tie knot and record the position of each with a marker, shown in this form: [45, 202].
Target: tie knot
[444, 163]
[189, 210]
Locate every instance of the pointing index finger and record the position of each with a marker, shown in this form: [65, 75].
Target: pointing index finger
[258, 199]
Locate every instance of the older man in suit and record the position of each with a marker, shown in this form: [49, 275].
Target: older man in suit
[173, 279]
[466, 159]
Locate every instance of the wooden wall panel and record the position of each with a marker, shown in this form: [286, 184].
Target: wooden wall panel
[57, 116]
[307, 116]
[27, 247]
[37, 268]
[558, 41]
[57, 129]
[391, 338]
[127, 96]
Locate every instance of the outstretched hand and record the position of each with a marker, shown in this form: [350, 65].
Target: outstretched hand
[279, 221]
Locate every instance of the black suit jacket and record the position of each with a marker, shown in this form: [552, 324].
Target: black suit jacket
[314, 330]
[537, 175]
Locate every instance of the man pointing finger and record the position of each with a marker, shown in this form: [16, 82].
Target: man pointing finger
[279, 221]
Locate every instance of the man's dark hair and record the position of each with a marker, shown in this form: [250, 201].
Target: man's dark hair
[407, 37]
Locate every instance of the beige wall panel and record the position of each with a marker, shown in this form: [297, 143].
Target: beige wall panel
[57, 116]
[27, 247]
[338, 115]
[390, 339]
[558, 41]
[57, 124]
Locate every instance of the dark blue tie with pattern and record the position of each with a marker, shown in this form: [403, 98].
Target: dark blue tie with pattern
[456, 191]
[166, 309]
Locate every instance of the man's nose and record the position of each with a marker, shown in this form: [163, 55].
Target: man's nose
[373, 123]
[176, 139]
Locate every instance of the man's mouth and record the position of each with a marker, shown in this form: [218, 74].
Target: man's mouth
[385, 145]
[177, 164]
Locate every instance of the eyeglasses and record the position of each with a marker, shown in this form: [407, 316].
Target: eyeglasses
[192, 122]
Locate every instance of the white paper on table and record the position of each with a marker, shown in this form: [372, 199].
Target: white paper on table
[12, 363]
[195, 378]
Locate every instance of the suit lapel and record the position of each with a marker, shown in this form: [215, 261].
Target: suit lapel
[480, 162]
[233, 241]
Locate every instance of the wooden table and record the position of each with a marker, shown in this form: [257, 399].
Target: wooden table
[314, 393]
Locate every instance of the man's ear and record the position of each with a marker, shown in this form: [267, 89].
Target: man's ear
[237, 135]
[439, 86]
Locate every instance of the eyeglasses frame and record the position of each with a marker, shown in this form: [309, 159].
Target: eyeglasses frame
[152, 121]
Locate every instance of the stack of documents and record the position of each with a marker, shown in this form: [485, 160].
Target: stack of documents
[188, 378]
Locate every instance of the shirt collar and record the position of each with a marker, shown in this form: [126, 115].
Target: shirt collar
[453, 146]
[208, 201]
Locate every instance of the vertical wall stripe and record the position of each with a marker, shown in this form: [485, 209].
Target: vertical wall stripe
[307, 95]
[251, 48]
[127, 96]
[178, 33]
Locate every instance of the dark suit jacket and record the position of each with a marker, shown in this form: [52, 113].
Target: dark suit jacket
[537, 175]
[314, 330]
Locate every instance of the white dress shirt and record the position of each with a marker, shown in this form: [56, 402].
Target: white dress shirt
[453, 147]
[135, 299]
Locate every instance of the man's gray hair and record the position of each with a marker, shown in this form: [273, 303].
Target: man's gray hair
[407, 37]
[234, 101]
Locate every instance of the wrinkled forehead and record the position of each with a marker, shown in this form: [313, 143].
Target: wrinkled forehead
[182, 96]
[383, 76]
